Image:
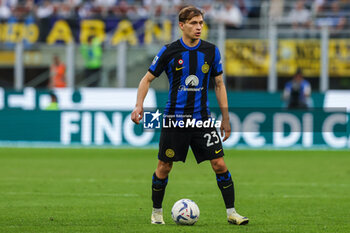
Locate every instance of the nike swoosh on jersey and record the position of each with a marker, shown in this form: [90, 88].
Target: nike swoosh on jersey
[218, 151]
[179, 68]
[225, 187]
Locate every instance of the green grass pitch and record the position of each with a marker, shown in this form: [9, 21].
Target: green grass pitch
[108, 190]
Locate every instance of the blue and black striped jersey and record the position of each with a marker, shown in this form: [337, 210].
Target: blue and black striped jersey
[189, 70]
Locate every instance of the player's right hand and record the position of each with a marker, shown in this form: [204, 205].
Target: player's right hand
[137, 115]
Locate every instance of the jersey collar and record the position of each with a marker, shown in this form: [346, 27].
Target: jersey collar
[188, 47]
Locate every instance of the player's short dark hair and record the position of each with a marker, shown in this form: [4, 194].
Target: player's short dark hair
[188, 12]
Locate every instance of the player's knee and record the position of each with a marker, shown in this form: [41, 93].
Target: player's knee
[164, 168]
[167, 167]
[218, 165]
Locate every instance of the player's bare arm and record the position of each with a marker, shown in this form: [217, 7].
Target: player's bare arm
[137, 113]
[221, 96]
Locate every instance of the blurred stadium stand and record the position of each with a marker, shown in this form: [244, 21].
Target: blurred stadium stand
[245, 39]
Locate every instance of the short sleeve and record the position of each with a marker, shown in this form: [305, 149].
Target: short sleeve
[217, 66]
[158, 63]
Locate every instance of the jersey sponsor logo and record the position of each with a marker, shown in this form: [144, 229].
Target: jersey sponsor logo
[179, 68]
[170, 153]
[205, 68]
[184, 88]
[191, 82]
[155, 60]
[180, 62]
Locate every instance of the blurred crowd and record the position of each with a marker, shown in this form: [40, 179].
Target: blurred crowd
[317, 13]
[107, 8]
[299, 13]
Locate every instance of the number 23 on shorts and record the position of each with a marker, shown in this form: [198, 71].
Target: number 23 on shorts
[212, 138]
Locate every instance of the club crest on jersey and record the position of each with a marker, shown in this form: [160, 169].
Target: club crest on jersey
[180, 62]
[205, 68]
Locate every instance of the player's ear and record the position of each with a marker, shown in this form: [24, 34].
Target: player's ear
[181, 25]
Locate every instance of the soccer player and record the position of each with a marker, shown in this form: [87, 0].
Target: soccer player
[189, 64]
[297, 92]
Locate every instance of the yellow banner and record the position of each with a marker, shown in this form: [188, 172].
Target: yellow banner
[110, 31]
[250, 58]
[7, 58]
[246, 58]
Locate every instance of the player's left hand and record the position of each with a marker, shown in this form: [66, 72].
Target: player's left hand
[225, 127]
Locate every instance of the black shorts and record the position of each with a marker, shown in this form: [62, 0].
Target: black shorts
[205, 144]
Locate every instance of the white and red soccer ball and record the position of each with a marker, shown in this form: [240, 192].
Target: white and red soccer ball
[185, 212]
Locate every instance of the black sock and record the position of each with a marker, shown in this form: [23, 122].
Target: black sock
[226, 187]
[158, 190]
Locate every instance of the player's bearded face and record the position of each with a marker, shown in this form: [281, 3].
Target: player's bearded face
[193, 27]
